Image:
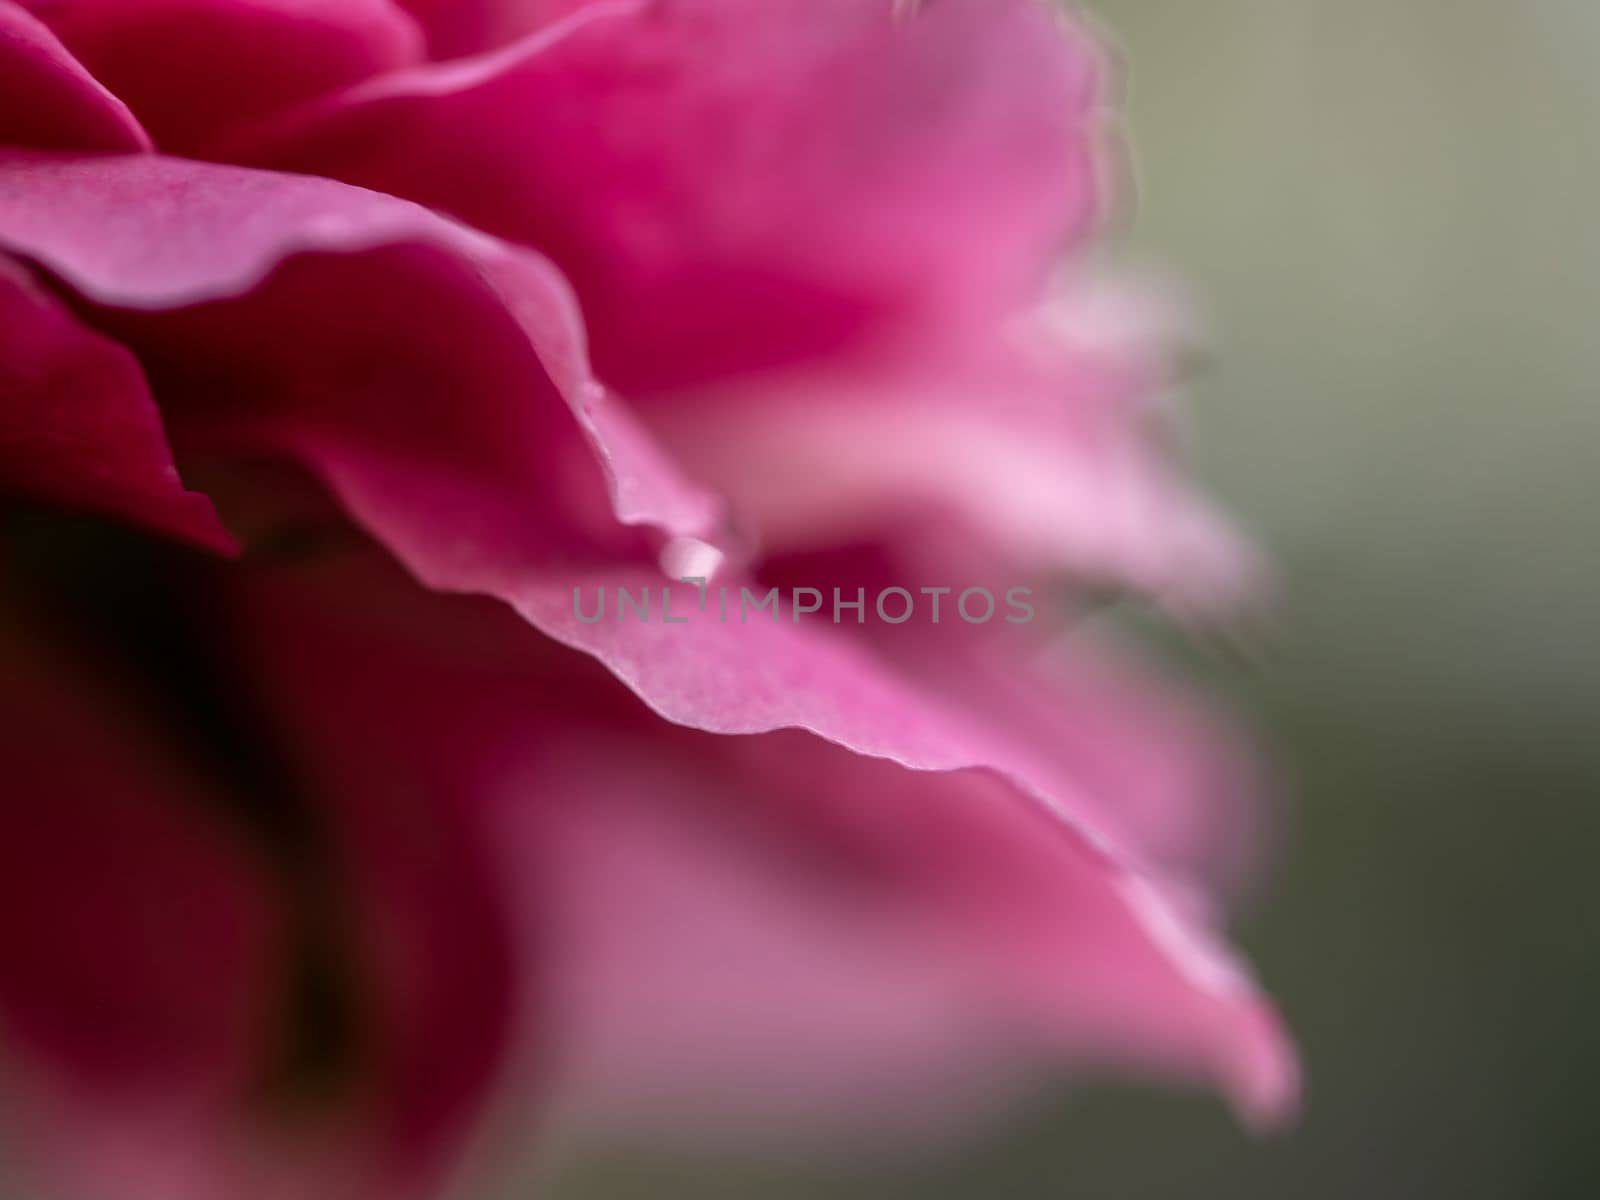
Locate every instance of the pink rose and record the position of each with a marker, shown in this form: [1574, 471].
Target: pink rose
[345, 842]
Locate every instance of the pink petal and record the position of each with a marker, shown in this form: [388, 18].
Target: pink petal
[191, 68]
[460, 526]
[457, 534]
[752, 229]
[1041, 471]
[1166, 777]
[77, 424]
[816, 943]
[150, 956]
[733, 186]
[755, 928]
[757, 678]
[282, 313]
[446, 1006]
[139, 937]
[48, 100]
[735, 678]
[1163, 773]
[459, 27]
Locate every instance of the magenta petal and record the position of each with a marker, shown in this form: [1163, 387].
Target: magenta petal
[460, 27]
[751, 678]
[1044, 472]
[140, 938]
[1194, 1004]
[700, 255]
[453, 27]
[388, 756]
[775, 926]
[813, 942]
[190, 68]
[733, 185]
[48, 100]
[78, 426]
[1162, 773]
[325, 279]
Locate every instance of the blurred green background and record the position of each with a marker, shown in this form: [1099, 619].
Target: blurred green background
[1387, 209]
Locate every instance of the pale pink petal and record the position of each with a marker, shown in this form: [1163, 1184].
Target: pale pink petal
[1044, 472]
[48, 100]
[732, 186]
[77, 424]
[1163, 772]
[190, 68]
[736, 678]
